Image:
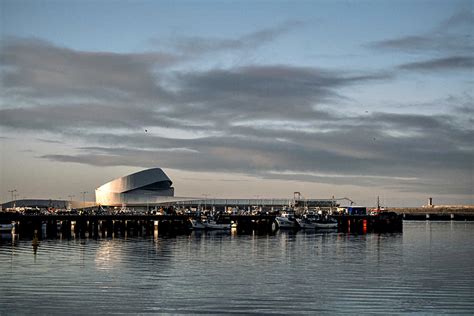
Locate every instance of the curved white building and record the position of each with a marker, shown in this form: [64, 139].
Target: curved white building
[147, 186]
[153, 187]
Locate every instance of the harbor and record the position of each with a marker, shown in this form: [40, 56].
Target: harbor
[236, 157]
[101, 226]
[144, 202]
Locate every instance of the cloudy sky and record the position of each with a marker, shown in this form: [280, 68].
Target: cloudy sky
[240, 98]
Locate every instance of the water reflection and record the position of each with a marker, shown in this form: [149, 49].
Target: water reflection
[426, 269]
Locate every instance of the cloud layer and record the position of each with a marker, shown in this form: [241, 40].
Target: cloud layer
[263, 120]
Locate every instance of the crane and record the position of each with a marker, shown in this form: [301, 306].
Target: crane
[344, 198]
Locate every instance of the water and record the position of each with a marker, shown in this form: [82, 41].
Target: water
[426, 269]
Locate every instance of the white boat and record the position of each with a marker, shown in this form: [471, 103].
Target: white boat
[319, 222]
[306, 223]
[287, 220]
[210, 224]
[329, 223]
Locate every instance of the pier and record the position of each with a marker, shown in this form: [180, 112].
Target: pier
[108, 225]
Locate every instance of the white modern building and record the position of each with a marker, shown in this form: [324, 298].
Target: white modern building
[153, 187]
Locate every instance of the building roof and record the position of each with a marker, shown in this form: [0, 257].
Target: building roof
[139, 180]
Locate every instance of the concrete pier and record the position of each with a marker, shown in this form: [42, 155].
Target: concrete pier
[95, 226]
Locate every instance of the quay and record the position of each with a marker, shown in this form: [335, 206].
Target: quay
[105, 225]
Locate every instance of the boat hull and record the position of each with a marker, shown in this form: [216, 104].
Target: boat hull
[326, 225]
[305, 224]
[285, 223]
[199, 225]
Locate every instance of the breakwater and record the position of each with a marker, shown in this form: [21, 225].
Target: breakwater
[434, 213]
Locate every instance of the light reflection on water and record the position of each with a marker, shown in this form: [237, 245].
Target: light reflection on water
[426, 269]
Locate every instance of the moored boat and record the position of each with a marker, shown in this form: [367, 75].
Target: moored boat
[209, 224]
[309, 221]
[326, 223]
[287, 220]
[306, 223]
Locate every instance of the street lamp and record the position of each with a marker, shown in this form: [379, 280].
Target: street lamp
[70, 199]
[84, 199]
[258, 200]
[205, 201]
[13, 194]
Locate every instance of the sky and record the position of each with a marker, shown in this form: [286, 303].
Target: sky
[240, 99]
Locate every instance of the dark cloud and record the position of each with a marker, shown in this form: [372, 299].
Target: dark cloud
[41, 69]
[441, 64]
[264, 92]
[49, 141]
[201, 45]
[463, 20]
[457, 44]
[74, 89]
[409, 43]
[79, 116]
[452, 36]
[432, 150]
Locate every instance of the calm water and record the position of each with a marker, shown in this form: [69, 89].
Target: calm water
[428, 269]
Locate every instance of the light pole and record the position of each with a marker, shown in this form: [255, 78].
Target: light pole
[70, 199]
[13, 193]
[205, 201]
[15, 197]
[84, 199]
[258, 201]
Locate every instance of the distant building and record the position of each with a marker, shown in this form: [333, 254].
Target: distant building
[152, 187]
[147, 186]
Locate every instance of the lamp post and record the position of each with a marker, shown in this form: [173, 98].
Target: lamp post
[205, 201]
[13, 196]
[84, 199]
[70, 200]
[258, 201]
[148, 195]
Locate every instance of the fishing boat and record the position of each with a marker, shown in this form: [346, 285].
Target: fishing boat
[209, 225]
[326, 223]
[306, 223]
[287, 220]
[310, 221]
